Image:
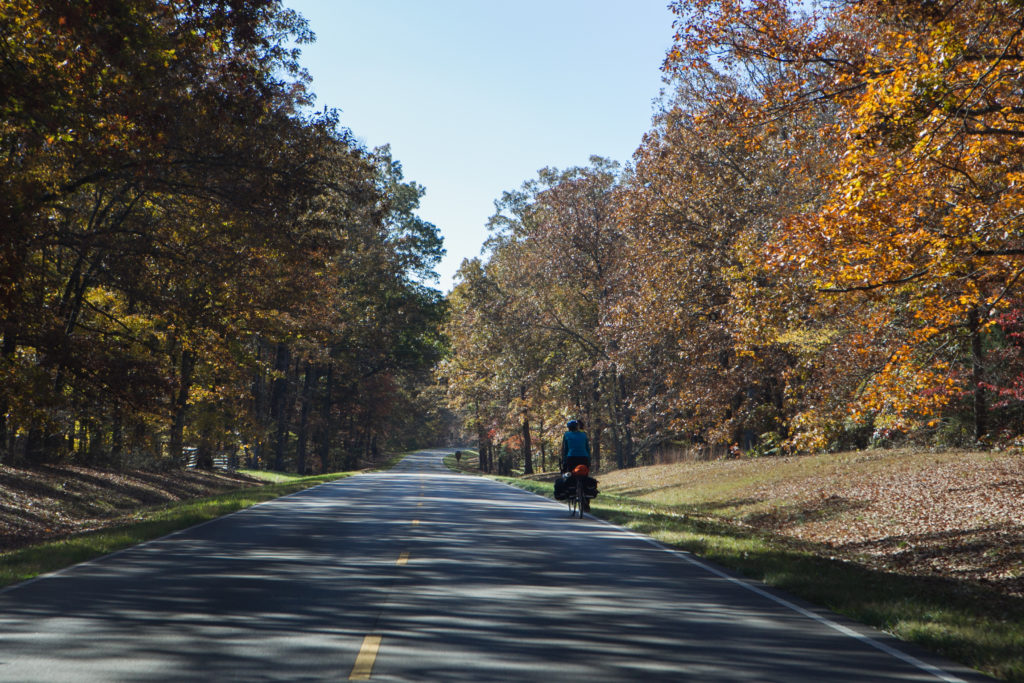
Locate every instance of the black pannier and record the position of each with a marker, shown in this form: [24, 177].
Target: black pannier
[565, 486]
[562, 489]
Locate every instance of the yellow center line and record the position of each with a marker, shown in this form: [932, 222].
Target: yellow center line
[415, 522]
[364, 661]
[403, 559]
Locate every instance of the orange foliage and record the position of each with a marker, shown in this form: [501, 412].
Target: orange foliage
[913, 245]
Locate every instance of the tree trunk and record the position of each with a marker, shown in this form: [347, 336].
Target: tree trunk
[6, 355]
[176, 441]
[70, 308]
[117, 437]
[34, 450]
[280, 395]
[365, 434]
[626, 417]
[260, 406]
[484, 448]
[614, 424]
[543, 446]
[204, 456]
[326, 430]
[622, 434]
[620, 461]
[978, 376]
[593, 409]
[527, 448]
[306, 399]
[595, 447]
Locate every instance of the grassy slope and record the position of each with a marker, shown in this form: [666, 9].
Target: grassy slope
[926, 546]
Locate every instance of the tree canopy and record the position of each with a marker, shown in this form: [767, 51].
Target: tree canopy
[190, 256]
[817, 245]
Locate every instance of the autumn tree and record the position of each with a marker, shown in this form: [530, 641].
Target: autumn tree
[467, 371]
[816, 245]
[538, 349]
[180, 233]
[911, 244]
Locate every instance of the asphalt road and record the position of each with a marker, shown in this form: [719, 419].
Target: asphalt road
[421, 574]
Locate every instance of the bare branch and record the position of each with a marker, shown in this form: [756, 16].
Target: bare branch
[877, 285]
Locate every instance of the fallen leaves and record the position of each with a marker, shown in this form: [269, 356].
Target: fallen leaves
[46, 503]
[952, 514]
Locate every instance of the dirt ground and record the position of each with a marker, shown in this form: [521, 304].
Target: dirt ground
[50, 502]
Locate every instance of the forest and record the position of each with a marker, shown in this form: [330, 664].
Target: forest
[818, 246]
[193, 261]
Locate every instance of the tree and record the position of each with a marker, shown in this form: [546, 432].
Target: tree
[526, 325]
[189, 257]
[911, 245]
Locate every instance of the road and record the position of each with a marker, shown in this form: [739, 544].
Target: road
[420, 574]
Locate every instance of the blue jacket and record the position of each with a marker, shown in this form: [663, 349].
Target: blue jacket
[575, 445]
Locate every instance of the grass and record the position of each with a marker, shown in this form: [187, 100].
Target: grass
[737, 488]
[270, 476]
[148, 523]
[469, 463]
[392, 460]
[965, 623]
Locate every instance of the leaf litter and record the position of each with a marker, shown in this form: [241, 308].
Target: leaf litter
[51, 502]
[951, 514]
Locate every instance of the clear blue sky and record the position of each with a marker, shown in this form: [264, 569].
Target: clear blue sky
[475, 96]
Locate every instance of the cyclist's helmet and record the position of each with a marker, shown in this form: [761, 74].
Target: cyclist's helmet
[573, 424]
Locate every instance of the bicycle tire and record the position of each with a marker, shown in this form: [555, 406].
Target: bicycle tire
[581, 496]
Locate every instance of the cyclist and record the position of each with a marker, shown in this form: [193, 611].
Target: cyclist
[575, 450]
[575, 447]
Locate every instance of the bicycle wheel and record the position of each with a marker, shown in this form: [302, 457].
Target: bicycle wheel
[572, 505]
[581, 497]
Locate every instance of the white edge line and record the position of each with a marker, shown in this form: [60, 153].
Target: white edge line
[825, 621]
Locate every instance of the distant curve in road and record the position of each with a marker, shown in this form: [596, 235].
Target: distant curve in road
[421, 574]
